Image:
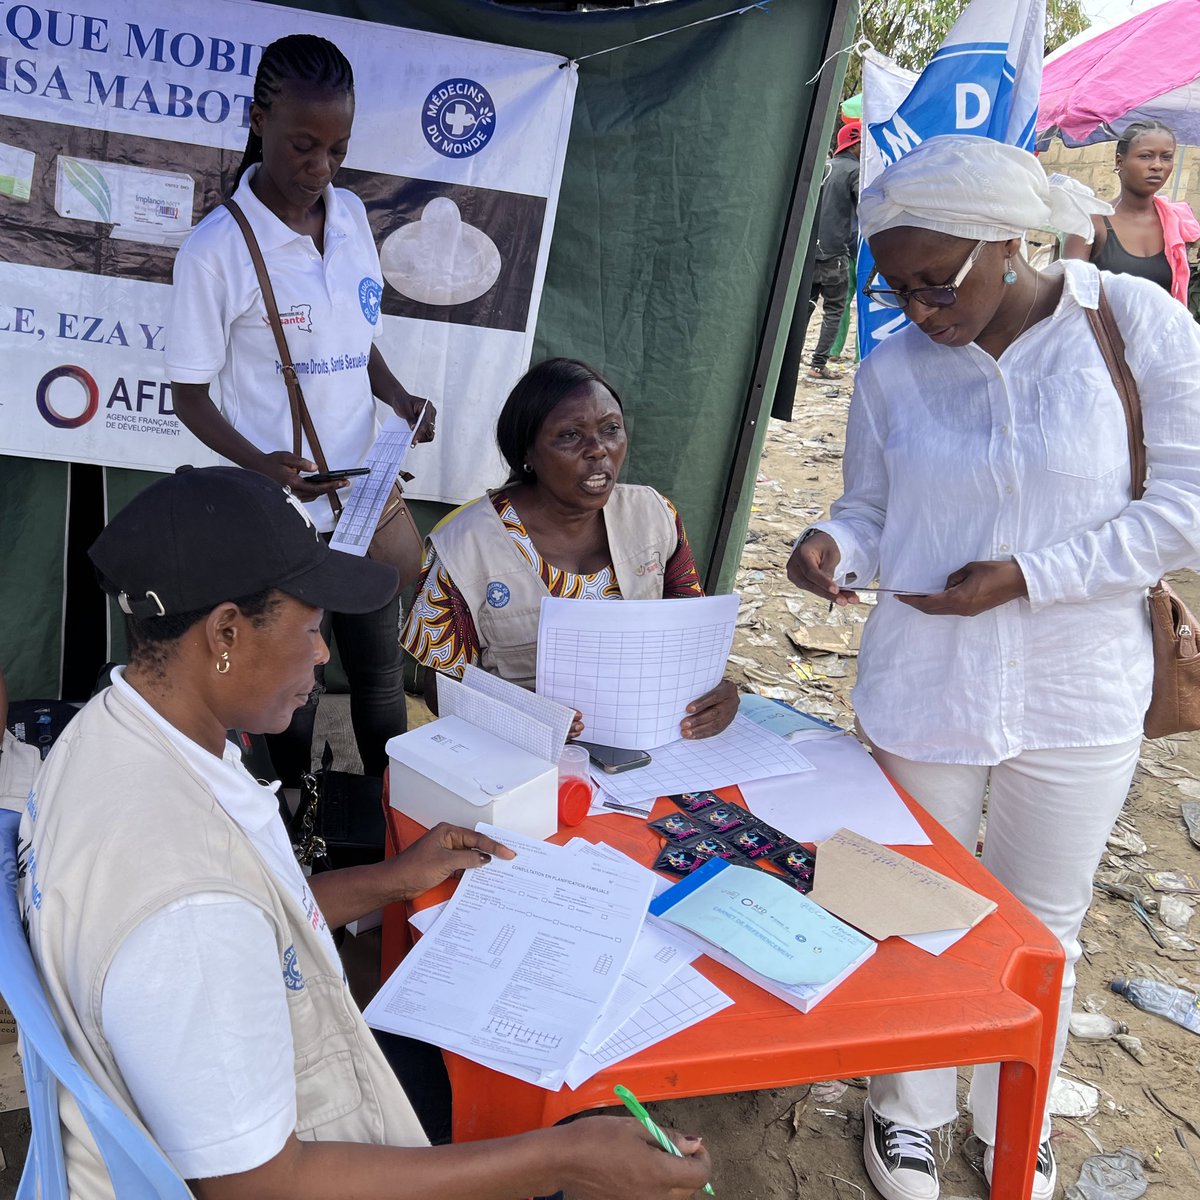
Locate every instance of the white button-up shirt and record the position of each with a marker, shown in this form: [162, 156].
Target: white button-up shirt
[954, 457]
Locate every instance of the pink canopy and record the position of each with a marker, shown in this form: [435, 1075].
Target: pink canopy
[1146, 67]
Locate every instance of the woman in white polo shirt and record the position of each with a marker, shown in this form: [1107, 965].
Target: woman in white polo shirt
[324, 270]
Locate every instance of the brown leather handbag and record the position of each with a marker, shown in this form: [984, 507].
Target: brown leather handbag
[396, 540]
[1175, 698]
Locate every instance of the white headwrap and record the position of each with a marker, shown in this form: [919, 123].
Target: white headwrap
[973, 187]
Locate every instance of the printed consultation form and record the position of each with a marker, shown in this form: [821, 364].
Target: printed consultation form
[526, 955]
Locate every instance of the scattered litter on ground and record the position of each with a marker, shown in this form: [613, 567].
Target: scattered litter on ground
[1174, 881]
[1174, 912]
[837, 639]
[1073, 1098]
[1191, 818]
[1124, 839]
[1116, 1176]
[1097, 1026]
[1132, 1046]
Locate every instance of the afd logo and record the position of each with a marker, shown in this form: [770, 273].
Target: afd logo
[68, 397]
[458, 118]
[77, 404]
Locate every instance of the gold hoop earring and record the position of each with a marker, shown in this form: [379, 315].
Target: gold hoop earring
[223, 663]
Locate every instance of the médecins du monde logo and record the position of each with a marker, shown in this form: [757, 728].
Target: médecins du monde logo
[458, 118]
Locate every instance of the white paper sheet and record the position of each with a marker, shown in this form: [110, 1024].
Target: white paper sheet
[656, 957]
[741, 753]
[369, 493]
[499, 718]
[520, 964]
[686, 999]
[558, 718]
[633, 666]
[846, 789]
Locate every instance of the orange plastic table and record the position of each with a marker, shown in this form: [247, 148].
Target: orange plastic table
[993, 997]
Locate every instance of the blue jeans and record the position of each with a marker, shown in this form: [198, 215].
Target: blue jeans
[369, 644]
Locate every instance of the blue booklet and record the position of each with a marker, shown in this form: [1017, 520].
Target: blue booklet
[762, 922]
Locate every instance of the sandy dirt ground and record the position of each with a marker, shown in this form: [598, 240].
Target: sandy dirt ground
[806, 1141]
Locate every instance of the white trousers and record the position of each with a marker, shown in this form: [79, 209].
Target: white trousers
[1049, 815]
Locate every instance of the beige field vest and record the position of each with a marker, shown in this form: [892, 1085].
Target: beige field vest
[504, 594]
[119, 827]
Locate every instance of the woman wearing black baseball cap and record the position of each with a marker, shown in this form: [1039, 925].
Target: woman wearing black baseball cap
[188, 959]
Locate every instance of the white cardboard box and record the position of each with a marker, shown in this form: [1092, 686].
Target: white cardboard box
[450, 770]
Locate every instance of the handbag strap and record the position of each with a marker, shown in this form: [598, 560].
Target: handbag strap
[301, 419]
[1112, 347]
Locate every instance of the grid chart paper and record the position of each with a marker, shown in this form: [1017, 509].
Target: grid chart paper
[633, 666]
[686, 999]
[739, 754]
[369, 493]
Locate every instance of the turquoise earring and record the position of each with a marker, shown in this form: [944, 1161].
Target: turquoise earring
[1009, 276]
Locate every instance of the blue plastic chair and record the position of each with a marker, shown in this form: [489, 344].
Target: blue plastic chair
[137, 1168]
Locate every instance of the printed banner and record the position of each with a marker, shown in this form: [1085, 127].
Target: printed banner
[983, 81]
[119, 133]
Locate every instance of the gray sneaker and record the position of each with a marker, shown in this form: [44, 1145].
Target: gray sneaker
[1045, 1174]
[898, 1158]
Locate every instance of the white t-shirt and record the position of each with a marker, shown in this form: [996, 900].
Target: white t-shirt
[329, 306]
[193, 1006]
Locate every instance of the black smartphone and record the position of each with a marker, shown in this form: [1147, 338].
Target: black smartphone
[612, 760]
[330, 476]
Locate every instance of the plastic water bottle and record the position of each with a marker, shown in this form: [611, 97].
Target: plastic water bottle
[1150, 996]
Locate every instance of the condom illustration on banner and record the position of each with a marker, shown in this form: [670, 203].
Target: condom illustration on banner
[440, 259]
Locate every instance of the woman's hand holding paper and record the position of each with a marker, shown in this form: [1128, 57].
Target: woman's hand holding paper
[711, 713]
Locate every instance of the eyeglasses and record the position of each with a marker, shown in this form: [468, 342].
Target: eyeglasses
[931, 297]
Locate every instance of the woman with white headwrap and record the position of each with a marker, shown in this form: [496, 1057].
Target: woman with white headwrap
[987, 473]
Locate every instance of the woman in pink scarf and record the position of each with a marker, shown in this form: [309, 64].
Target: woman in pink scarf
[1147, 235]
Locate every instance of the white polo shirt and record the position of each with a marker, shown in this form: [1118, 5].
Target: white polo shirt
[330, 309]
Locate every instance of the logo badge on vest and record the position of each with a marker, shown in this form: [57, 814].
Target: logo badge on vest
[458, 118]
[370, 296]
[498, 594]
[299, 316]
[293, 979]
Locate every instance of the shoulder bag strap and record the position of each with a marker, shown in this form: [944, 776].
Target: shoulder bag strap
[1112, 347]
[300, 415]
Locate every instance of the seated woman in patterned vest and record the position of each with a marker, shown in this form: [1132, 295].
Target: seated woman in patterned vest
[560, 526]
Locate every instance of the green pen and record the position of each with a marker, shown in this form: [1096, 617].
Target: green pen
[634, 1105]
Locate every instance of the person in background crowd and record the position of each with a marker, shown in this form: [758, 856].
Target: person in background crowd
[189, 960]
[323, 264]
[561, 526]
[837, 243]
[987, 475]
[1147, 235]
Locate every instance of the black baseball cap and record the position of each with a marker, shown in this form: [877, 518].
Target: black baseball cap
[208, 534]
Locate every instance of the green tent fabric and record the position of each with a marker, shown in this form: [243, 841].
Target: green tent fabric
[33, 500]
[673, 251]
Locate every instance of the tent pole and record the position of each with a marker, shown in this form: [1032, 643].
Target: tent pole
[812, 158]
[1178, 172]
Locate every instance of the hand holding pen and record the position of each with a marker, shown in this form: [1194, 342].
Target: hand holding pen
[634, 1105]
